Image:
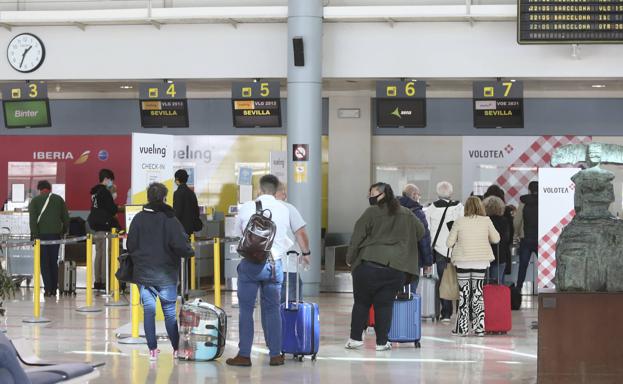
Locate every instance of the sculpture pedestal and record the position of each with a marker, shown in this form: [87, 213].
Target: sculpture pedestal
[580, 338]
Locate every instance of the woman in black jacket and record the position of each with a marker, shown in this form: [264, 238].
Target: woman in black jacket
[156, 243]
[495, 209]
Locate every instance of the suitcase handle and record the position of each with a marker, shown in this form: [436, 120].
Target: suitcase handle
[298, 295]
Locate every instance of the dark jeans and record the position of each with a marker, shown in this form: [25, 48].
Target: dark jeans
[446, 305]
[168, 298]
[49, 263]
[526, 247]
[378, 285]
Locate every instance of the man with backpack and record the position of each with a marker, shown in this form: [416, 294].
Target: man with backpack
[266, 275]
[526, 223]
[102, 219]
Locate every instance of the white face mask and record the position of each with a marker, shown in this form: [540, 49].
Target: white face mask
[114, 196]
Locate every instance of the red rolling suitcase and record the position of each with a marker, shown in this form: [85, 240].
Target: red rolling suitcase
[497, 298]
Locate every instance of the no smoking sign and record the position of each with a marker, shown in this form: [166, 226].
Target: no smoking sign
[300, 152]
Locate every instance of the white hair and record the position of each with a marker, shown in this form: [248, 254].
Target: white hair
[444, 189]
[410, 189]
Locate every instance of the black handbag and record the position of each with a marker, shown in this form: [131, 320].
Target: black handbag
[126, 268]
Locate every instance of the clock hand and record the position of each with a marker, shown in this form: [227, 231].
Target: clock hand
[24, 55]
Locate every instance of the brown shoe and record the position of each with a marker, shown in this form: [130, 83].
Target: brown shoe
[277, 360]
[239, 361]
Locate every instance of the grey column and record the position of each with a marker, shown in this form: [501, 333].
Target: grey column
[305, 124]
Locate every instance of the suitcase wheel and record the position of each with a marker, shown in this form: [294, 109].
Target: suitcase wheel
[301, 358]
[417, 344]
[313, 357]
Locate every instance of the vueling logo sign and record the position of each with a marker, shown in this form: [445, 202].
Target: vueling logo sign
[398, 113]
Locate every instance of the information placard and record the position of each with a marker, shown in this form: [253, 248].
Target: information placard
[401, 103]
[26, 105]
[163, 105]
[256, 104]
[498, 104]
[569, 21]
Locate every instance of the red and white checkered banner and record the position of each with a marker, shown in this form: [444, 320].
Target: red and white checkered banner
[516, 177]
[556, 209]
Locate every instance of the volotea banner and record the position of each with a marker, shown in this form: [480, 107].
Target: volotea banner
[556, 209]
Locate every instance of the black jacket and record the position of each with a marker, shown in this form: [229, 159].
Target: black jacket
[156, 242]
[103, 209]
[501, 225]
[187, 209]
[530, 216]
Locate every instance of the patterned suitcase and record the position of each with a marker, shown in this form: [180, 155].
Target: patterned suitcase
[497, 299]
[407, 321]
[203, 330]
[300, 323]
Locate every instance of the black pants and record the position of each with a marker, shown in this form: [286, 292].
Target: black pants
[49, 263]
[526, 248]
[378, 285]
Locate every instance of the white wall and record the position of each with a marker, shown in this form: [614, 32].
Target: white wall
[349, 162]
[350, 50]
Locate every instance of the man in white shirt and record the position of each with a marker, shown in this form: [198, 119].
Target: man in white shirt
[300, 243]
[440, 216]
[267, 277]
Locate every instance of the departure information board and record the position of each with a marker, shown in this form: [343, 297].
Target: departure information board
[498, 104]
[256, 104]
[401, 104]
[569, 21]
[163, 105]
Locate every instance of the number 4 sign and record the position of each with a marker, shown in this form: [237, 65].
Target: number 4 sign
[300, 152]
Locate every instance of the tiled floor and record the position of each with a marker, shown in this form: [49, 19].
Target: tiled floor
[442, 358]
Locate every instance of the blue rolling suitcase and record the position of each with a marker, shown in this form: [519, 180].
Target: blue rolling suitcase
[407, 320]
[300, 323]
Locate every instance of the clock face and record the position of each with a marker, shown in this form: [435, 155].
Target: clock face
[25, 52]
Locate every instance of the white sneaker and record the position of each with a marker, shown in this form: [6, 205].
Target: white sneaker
[353, 344]
[153, 354]
[446, 320]
[386, 347]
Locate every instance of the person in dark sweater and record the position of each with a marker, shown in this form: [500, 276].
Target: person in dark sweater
[410, 199]
[102, 219]
[494, 207]
[156, 243]
[527, 229]
[185, 204]
[509, 213]
[49, 220]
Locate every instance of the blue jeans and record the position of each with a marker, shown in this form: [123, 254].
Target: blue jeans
[292, 290]
[497, 271]
[446, 305]
[168, 297]
[252, 277]
[526, 247]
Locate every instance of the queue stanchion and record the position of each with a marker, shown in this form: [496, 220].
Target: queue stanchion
[135, 302]
[114, 266]
[107, 281]
[36, 281]
[217, 271]
[89, 307]
[193, 277]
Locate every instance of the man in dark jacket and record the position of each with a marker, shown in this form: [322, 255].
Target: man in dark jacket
[156, 243]
[185, 204]
[101, 220]
[527, 229]
[49, 220]
[410, 199]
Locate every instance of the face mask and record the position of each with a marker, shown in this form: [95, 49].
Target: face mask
[374, 200]
[109, 183]
[114, 196]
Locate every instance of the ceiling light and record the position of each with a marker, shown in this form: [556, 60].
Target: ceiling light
[126, 87]
[598, 85]
[513, 80]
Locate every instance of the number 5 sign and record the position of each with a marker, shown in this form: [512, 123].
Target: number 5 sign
[300, 152]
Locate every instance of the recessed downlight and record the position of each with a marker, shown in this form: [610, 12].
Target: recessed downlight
[126, 87]
[598, 85]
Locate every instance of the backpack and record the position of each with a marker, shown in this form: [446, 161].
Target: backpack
[257, 238]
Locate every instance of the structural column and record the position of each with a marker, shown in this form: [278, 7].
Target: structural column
[305, 124]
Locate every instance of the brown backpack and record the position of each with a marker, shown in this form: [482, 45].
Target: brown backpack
[257, 238]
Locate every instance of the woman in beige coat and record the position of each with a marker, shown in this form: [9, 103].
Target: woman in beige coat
[471, 237]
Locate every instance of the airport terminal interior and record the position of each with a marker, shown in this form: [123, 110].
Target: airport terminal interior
[510, 109]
